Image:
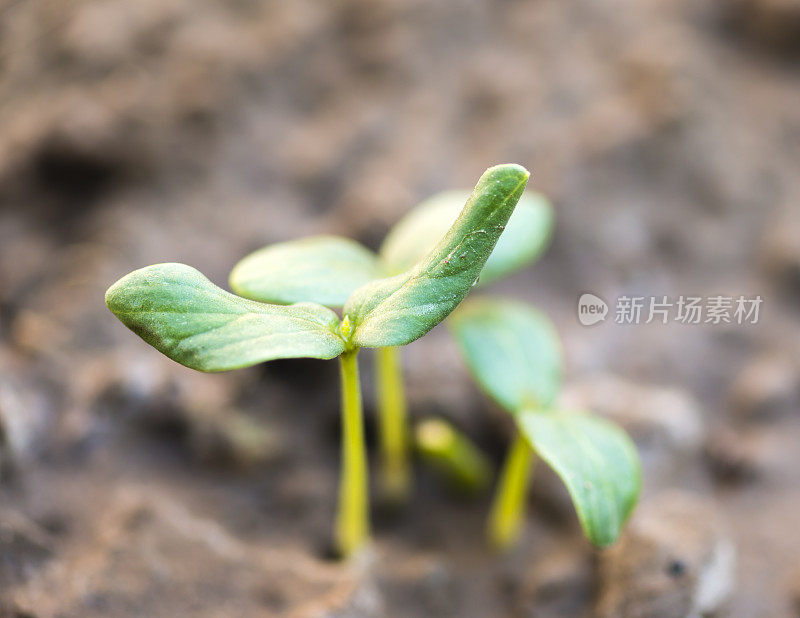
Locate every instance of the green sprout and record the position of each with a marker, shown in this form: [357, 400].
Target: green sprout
[452, 455]
[514, 354]
[182, 314]
[327, 269]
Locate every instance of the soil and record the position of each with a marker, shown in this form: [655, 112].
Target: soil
[666, 133]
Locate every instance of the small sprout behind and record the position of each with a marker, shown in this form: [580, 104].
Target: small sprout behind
[452, 455]
[513, 353]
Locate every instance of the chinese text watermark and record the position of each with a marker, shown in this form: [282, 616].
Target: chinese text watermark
[664, 309]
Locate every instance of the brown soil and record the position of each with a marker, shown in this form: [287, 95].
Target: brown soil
[667, 133]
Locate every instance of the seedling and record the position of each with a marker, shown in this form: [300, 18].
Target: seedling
[326, 270]
[514, 354]
[177, 310]
[453, 455]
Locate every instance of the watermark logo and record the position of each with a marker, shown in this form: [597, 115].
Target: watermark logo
[681, 309]
[591, 309]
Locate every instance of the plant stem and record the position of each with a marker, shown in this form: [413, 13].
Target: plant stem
[453, 455]
[508, 506]
[392, 414]
[352, 520]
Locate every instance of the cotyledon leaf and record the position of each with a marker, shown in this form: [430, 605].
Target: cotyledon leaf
[595, 459]
[319, 269]
[512, 350]
[400, 309]
[174, 308]
[524, 239]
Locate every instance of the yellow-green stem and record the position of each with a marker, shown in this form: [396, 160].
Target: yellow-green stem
[508, 506]
[453, 455]
[393, 429]
[352, 520]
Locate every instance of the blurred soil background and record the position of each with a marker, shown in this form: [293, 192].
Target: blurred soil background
[667, 134]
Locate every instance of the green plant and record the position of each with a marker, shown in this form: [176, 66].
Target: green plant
[327, 269]
[177, 310]
[452, 455]
[514, 354]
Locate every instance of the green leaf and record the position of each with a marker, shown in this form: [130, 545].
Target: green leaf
[400, 309]
[512, 351]
[319, 269]
[526, 235]
[597, 462]
[174, 308]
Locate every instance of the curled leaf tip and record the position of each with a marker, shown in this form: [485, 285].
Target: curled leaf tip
[509, 168]
[400, 309]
